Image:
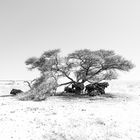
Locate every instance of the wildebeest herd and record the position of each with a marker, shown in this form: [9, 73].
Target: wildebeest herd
[90, 89]
[96, 88]
[78, 88]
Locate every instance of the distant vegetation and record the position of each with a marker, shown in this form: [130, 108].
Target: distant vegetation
[78, 67]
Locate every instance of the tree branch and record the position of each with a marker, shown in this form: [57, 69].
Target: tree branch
[98, 71]
[63, 72]
[65, 84]
[66, 75]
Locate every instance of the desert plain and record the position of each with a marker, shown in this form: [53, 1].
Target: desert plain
[113, 116]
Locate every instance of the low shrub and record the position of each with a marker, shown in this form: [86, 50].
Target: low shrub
[46, 88]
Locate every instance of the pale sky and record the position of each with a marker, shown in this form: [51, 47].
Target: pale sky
[29, 27]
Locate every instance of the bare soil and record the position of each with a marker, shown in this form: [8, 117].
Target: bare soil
[114, 116]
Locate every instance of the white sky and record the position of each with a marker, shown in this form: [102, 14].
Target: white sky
[29, 27]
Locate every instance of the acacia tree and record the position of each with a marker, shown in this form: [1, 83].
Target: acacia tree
[95, 66]
[86, 65]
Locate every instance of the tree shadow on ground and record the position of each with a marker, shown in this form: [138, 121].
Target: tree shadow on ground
[105, 97]
[113, 97]
[6, 96]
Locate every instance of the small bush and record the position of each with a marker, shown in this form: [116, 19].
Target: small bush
[46, 88]
[25, 96]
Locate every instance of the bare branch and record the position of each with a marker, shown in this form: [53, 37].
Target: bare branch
[65, 84]
[29, 83]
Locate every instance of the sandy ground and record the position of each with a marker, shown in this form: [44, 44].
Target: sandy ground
[115, 116]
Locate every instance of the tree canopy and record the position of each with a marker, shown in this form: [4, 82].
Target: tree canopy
[85, 65]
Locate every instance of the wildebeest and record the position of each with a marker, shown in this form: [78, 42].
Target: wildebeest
[15, 91]
[78, 87]
[103, 85]
[68, 89]
[100, 87]
[75, 88]
[94, 93]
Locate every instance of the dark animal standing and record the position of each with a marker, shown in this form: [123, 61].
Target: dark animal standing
[76, 88]
[68, 89]
[15, 91]
[96, 88]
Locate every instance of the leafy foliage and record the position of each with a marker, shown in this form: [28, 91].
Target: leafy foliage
[86, 65]
[41, 90]
[98, 65]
